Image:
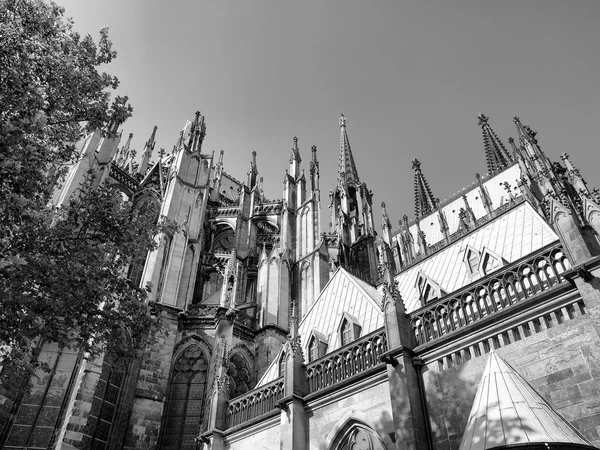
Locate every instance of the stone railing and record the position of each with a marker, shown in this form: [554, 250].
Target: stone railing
[502, 289]
[255, 403]
[347, 362]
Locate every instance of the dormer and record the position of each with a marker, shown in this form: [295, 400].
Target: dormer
[317, 345]
[471, 259]
[348, 330]
[490, 262]
[428, 289]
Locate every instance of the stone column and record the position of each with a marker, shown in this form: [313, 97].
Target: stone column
[408, 409]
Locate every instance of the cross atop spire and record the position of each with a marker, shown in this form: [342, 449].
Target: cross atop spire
[424, 200]
[346, 168]
[496, 155]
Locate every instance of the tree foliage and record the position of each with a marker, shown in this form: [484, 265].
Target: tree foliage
[62, 272]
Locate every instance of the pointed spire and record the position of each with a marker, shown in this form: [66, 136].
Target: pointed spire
[496, 155]
[295, 160]
[147, 154]
[574, 175]
[386, 225]
[424, 201]
[124, 153]
[346, 168]
[252, 171]
[197, 133]
[506, 411]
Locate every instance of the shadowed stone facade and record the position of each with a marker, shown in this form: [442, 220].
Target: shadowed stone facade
[281, 335]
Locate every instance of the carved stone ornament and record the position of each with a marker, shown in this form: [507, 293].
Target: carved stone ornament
[293, 347]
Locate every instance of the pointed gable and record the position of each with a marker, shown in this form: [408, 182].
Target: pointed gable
[344, 294]
[506, 411]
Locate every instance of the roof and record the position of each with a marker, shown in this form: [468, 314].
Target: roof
[506, 410]
[511, 236]
[344, 293]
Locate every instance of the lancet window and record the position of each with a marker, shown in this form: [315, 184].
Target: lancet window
[185, 404]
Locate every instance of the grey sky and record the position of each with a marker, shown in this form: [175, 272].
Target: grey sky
[410, 77]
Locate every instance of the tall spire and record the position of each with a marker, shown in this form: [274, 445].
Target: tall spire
[346, 169]
[424, 201]
[147, 154]
[295, 160]
[496, 155]
[506, 411]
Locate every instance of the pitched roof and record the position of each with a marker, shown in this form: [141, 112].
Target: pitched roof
[344, 293]
[511, 236]
[506, 411]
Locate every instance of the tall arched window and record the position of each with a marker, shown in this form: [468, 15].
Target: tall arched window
[313, 349]
[282, 365]
[347, 332]
[186, 400]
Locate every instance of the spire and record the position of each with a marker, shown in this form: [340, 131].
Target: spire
[346, 169]
[386, 225]
[424, 201]
[496, 155]
[197, 133]
[314, 169]
[124, 153]
[147, 154]
[252, 172]
[295, 160]
[506, 411]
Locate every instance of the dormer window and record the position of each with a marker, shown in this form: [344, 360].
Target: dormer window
[490, 262]
[428, 289]
[317, 345]
[313, 349]
[347, 335]
[349, 330]
[472, 259]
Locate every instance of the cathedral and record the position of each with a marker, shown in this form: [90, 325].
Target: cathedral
[472, 325]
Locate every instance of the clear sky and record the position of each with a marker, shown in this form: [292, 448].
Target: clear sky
[411, 78]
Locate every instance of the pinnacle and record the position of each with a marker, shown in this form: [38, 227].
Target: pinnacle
[424, 200]
[346, 168]
[496, 155]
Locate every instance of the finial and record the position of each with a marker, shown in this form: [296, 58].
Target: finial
[254, 156]
[130, 135]
[314, 152]
[416, 164]
[382, 205]
[342, 120]
[483, 120]
[516, 120]
[478, 176]
[161, 153]
[295, 142]
[564, 156]
[197, 118]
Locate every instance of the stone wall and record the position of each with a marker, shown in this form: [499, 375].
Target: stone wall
[261, 437]
[151, 390]
[557, 353]
[369, 402]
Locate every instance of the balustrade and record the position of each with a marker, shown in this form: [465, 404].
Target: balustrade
[500, 290]
[255, 403]
[346, 362]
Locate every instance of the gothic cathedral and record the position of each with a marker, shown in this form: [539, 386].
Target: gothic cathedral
[473, 325]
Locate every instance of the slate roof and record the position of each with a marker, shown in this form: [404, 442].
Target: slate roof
[511, 236]
[506, 411]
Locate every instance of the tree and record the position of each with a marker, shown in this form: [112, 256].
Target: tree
[62, 272]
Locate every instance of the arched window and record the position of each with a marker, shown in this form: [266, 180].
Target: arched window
[357, 436]
[472, 261]
[186, 400]
[282, 365]
[313, 349]
[239, 376]
[347, 332]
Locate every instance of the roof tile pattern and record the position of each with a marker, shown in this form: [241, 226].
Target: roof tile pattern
[506, 410]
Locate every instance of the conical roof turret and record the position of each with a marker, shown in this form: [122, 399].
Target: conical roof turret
[496, 155]
[507, 411]
[347, 172]
[424, 200]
